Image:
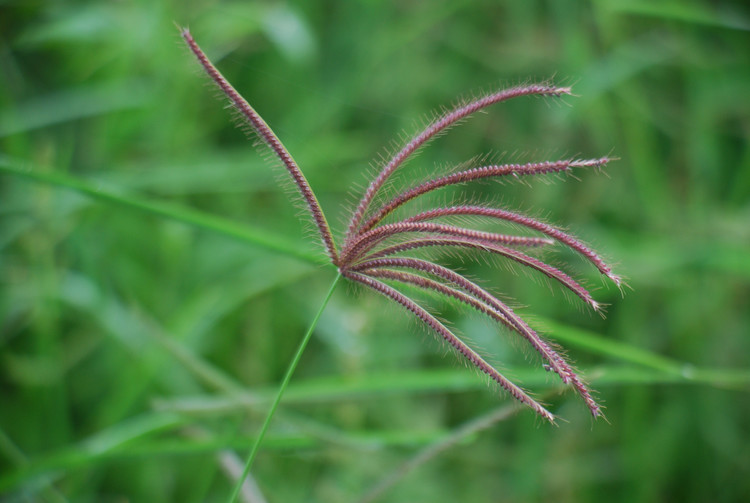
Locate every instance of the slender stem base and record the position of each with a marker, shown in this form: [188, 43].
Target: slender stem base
[282, 388]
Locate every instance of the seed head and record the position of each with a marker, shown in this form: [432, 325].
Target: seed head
[380, 256]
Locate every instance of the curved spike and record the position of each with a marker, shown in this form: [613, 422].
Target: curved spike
[549, 355]
[516, 255]
[535, 168]
[472, 356]
[371, 238]
[266, 134]
[434, 128]
[516, 322]
[526, 221]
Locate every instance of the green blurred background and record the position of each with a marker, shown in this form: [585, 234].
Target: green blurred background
[141, 339]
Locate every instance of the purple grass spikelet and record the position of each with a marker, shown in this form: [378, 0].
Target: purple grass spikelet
[381, 256]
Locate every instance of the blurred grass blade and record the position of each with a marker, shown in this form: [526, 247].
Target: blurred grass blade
[189, 216]
[687, 12]
[625, 352]
[140, 438]
[467, 430]
[335, 389]
[112, 441]
[599, 345]
[65, 106]
[629, 375]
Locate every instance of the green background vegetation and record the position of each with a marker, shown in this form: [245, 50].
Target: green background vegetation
[156, 279]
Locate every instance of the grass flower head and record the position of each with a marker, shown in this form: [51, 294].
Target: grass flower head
[380, 251]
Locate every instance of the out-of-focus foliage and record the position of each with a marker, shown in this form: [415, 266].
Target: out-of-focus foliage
[141, 339]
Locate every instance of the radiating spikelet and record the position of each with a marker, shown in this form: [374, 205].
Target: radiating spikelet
[373, 249]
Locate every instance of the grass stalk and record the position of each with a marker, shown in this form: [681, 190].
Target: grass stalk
[282, 388]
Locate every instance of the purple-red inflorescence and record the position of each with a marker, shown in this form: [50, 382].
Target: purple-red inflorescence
[374, 252]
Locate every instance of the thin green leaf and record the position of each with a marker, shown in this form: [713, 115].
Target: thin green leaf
[335, 389]
[189, 216]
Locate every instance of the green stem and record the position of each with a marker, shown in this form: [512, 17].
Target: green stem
[282, 388]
